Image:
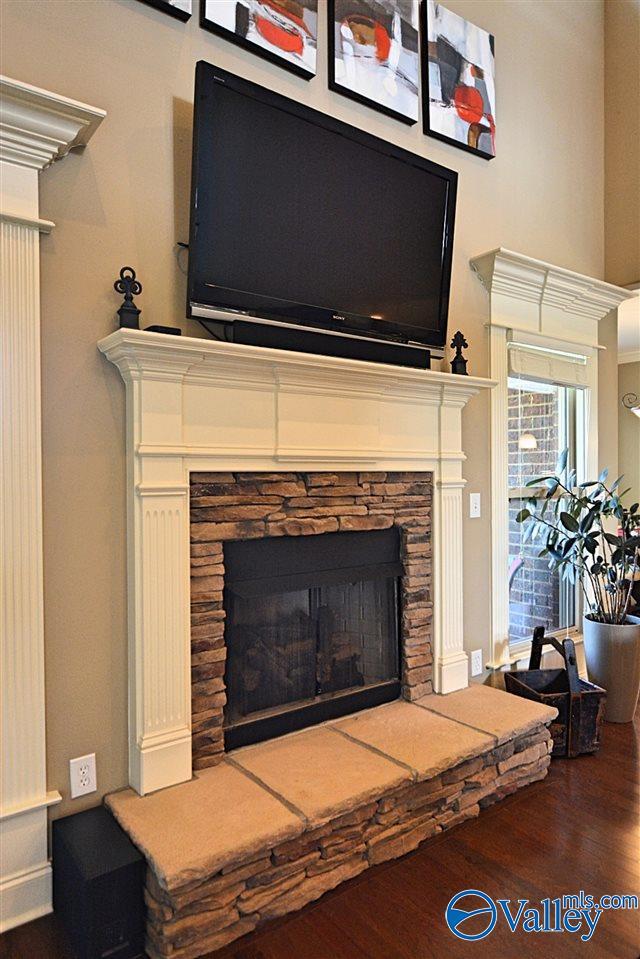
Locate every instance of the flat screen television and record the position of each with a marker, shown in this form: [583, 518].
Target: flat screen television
[298, 218]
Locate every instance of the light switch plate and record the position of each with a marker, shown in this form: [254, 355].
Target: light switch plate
[476, 662]
[82, 774]
[474, 505]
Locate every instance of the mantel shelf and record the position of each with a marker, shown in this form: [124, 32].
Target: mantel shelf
[136, 352]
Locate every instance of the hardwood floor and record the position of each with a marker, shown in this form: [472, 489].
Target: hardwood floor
[578, 829]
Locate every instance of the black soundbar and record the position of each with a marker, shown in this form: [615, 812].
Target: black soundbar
[305, 341]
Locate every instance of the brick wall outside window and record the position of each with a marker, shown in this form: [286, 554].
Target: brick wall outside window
[534, 595]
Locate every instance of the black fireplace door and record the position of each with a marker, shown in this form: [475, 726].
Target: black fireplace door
[312, 630]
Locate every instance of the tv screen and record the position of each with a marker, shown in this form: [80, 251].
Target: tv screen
[299, 218]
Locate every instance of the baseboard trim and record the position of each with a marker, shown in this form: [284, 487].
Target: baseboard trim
[25, 896]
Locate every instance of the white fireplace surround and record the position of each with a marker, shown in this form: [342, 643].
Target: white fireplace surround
[205, 405]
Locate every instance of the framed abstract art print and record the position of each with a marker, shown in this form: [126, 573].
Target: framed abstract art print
[282, 31]
[459, 94]
[374, 54]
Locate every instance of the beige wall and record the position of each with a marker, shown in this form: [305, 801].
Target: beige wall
[629, 431]
[622, 149]
[125, 201]
[607, 395]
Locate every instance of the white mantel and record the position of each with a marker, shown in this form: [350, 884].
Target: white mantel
[201, 404]
[37, 127]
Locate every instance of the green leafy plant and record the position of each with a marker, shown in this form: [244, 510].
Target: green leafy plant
[573, 526]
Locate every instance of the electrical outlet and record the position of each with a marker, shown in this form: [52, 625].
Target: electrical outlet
[82, 774]
[476, 662]
[474, 505]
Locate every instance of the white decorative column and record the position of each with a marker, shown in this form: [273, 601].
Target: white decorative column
[543, 323]
[450, 664]
[208, 406]
[159, 581]
[498, 433]
[36, 128]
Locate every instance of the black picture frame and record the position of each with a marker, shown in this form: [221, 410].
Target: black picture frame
[240, 41]
[426, 102]
[351, 94]
[166, 7]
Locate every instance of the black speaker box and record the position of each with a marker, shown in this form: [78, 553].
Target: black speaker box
[98, 878]
[325, 344]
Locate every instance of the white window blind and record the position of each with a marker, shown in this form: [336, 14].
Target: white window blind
[546, 361]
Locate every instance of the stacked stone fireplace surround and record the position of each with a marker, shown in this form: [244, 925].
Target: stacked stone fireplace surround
[239, 506]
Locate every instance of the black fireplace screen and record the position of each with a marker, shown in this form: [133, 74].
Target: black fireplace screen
[311, 630]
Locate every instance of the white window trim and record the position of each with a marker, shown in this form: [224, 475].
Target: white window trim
[548, 363]
[550, 316]
[522, 651]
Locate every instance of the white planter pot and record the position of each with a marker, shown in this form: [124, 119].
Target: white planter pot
[613, 662]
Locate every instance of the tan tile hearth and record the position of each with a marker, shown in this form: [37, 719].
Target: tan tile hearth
[486, 709]
[276, 825]
[189, 831]
[321, 773]
[416, 737]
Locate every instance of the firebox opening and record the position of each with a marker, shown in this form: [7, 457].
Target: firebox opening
[312, 630]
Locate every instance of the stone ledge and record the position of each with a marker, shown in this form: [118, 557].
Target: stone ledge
[424, 742]
[281, 823]
[320, 773]
[490, 710]
[192, 920]
[192, 830]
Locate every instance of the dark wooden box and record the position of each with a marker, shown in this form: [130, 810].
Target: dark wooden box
[98, 877]
[580, 704]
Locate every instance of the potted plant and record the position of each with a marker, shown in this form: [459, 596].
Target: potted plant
[574, 526]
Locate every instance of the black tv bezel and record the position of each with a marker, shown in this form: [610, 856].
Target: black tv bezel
[249, 305]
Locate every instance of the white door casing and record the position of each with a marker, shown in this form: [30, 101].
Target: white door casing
[36, 128]
[543, 320]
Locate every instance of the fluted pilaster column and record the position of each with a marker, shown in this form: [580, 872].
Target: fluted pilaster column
[36, 127]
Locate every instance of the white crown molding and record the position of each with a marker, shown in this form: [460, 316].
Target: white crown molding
[523, 278]
[38, 127]
[205, 405]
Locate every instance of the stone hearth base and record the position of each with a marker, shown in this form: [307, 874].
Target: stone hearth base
[276, 825]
